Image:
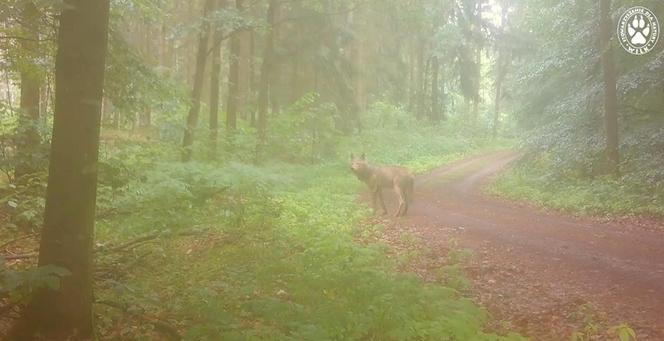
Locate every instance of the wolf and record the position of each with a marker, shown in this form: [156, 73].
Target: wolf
[378, 178]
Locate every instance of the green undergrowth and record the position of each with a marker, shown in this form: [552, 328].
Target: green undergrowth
[533, 181]
[420, 149]
[274, 252]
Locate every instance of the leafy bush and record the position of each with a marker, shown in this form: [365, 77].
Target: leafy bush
[281, 260]
[305, 132]
[535, 180]
[301, 276]
[17, 286]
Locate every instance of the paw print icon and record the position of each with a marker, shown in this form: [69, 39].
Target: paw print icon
[638, 30]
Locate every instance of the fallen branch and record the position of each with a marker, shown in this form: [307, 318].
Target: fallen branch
[119, 248]
[126, 245]
[17, 239]
[22, 256]
[24, 38]
[145, 238]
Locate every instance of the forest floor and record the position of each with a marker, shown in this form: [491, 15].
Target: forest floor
[541, 273]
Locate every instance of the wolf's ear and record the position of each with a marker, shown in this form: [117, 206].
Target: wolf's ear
[363, 157]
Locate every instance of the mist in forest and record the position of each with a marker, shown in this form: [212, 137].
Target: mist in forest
[331, 170]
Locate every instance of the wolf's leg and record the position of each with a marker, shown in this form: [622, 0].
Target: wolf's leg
[374, 196]
[406, 202]
[379, 193]
[402, 202]
[408, 196]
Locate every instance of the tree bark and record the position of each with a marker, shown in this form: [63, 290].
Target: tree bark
[421, 94]
[357, 57]
[116, 119]
[412, 78]
[145, 119]
[244, 67]
[67, 234]
[233, 80]
[266, 74]
[435, 91]
[610, 94]
[194, 109]
[8, 87]
[275, 74]
[252, 76]
[478, 79]
[28, 138]
[501, 64]
[477, 27]
[214, 89]
[496, 109]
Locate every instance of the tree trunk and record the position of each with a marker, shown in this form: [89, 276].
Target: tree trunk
[266, 73]
[357, 58]
[610, 95]
[435, 92]
[168, 49]
[116, 119]
[501, 73]
[28, 138]
[215, 88]
[275, 75]
[233, 80]
[442, 101]
[496, 110]
[478, 78]
[477, 26]
[244, 67]
[252, 76]
[295, 78]
[201, 57]
[67, 234]
[8, 87]
[145, 119]
[412, 79]
[421, 94]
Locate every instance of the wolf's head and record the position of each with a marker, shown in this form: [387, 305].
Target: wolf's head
[359, 165]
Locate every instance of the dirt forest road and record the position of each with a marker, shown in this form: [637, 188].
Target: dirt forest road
[544, 274]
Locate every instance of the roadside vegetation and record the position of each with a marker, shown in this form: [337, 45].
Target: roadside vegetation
[239, 250]
[579, 156]
[180, 169]
[536, 182]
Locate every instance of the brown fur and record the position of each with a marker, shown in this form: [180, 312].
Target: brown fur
[378, 178]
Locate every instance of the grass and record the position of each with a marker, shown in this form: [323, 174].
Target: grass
[280, 258]
[602, 195]
[273, 251]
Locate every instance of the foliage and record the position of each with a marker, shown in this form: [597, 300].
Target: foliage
[305, 131]
[133, 86]
[11, 135]
[624, 332]
[280, 260]
[537, 181]
[17, 286]
[561, 114]
[593, 330]
[395, 137]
